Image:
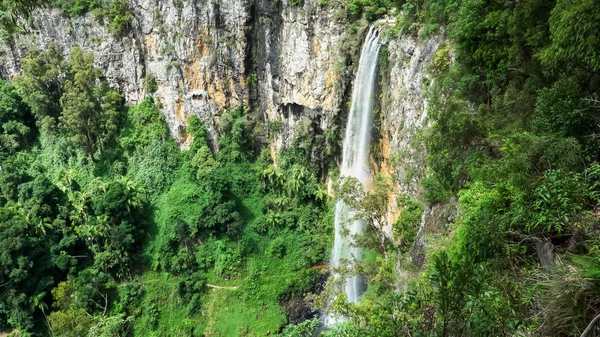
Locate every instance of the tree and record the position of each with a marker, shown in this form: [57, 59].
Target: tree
[150, 84]
[91, 113]
[203, 159]
[114, 226]
[12, 107]
[41, 79]
[235, 139]
[119, 16]
[574, 30]
[112, 326]
[11, 12]
[72, 322]
[145, 124]
[23, 8]
[370, 206]
[25, 267]
[409, 220]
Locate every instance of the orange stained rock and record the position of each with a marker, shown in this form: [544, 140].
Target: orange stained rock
[331, 76]
[386, 171]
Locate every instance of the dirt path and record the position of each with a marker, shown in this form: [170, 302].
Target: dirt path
[217, 287]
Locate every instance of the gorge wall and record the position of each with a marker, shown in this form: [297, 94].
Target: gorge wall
[403, 116]
[207, 55]
[289, 63]
[195, 50]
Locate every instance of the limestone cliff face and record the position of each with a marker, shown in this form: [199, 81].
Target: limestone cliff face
[404, 108]
[403, 117]
[301, 74]
[283, 59]
[196, 50]
[207, 55]
[403, 120]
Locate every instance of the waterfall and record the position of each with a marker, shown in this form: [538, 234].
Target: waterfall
[355, 159]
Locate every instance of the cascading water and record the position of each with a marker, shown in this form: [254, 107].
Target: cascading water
[355, 160]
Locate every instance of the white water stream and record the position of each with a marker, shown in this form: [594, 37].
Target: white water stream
[355, 160]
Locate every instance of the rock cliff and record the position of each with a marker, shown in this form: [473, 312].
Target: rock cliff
[291, 64]
[405, 80]
[195, 49]
[403, 116]
[207, 55]
[301, 74]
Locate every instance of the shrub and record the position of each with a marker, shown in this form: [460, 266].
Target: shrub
[119, 17]
[277, 247]
[150, 84]
[559, 199]
[407, 225]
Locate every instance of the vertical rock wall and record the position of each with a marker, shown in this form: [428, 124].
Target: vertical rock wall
[300, 71]
[208, 55]
[195, 49]
[403, 116]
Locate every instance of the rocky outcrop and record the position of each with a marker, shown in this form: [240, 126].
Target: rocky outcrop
[404, 108]
[207, 55]
[284, 60]
[403, 115]
[195, 49]
[301, 74]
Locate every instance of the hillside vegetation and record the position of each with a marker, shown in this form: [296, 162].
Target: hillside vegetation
[514, 135]
[108, 228]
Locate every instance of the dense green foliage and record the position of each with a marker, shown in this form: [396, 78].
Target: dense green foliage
[109, 229]
[515, 136]
[115, 13]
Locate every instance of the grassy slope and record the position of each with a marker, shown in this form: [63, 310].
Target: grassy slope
[252, 310]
